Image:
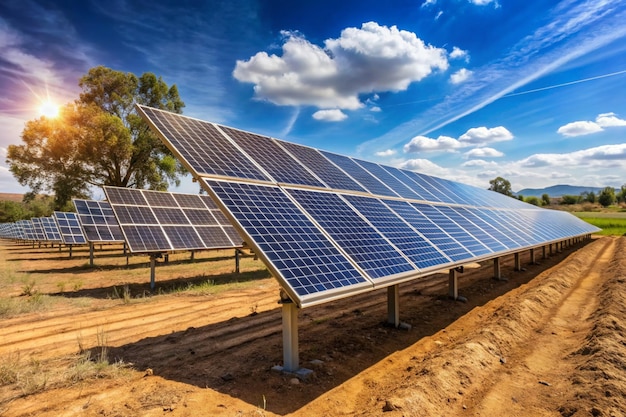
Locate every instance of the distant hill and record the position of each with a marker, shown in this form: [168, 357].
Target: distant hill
[11, 197]
[558, 190]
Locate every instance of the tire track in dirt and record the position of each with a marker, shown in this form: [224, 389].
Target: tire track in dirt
[543, 361]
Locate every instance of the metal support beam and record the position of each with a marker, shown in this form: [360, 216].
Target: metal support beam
[393, 305]
[152, 271]
[237, 261]
[518, 263]
[533, 261]
[70, 251]
[90, 253]
[497, 271]
[544, 255]
[193, 254]
[453, 284]
[291, 357]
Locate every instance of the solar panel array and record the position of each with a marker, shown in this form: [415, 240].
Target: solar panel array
[154, 221]
[329, 225]
[98, 221]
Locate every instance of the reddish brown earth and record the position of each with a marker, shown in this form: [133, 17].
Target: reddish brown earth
[550, 341]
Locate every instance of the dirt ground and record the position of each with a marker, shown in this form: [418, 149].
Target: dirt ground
[549, 341]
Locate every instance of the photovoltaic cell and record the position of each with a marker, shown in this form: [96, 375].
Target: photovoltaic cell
[295, 248]
[421, 252]
[98, 221]
[154, 221]
[272, 158]
[189, 138]
[363, 177]
[472, 229]
[39, 233]
[390, 181]
[69, 227]
[51, 229]
[332, 176]
[360, 240]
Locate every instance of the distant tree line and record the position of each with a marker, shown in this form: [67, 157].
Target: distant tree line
[607, 197]
[12, 211]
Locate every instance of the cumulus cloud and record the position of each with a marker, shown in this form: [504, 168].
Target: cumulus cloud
[332, 115]
[483, 153]
[458, 53]
[609, 120]
[484, 2]
[460, 76]
[425, 144]
[425, 166]
[429, 3]
[582, 128]
[479, 163]
[483, 135]
[599, 156]
[362, 60]
[388, 152]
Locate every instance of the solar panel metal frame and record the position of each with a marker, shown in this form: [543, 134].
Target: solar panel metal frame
[445, 194]
[69, 227]
[161, 222]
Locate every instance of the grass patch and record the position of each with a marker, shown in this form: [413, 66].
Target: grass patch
[10, 307]
[611, 223]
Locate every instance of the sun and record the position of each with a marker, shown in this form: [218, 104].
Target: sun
[49, 109]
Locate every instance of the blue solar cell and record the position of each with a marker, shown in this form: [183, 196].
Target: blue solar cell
[434, 194]
[363, 177]
[405, 177]
[474, 230]
[388, 179]
[38, 230]
[404, 237]
[332, 176]
[353, 234]
[272, 158]
[431, 231]
[69, 227]
[51, 229]
[296, 249]
[492, 226]
[435, 214]
[203, 146]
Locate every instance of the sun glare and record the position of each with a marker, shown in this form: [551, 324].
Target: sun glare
[49, 109]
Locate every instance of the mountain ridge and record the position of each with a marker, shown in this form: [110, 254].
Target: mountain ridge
[558, 190]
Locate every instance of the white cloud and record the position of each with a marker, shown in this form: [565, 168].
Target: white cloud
[483, 135]
[460, 76]
[388, 152]
[479, 163]
[375, 109]
[483, 153]
[332, 115]
[458, 53]
[429, 3]
[582, 128]
[424, 144]
[579, 129]
[609, 120]
[484, 2]
[362, 60]
[600, 156]
[425, 166]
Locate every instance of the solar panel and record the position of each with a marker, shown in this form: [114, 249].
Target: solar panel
[189, 138]
[69, 227]
[154, 221]
[329, 225]
[51, 229]
[300, 255]
[98, 221]
[38, 231]
[272, 158]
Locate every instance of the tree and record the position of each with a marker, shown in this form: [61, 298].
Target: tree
[533, 200]
[545, 199]
[99, 139]
[621, 195]
[569, 199]
[500, 185]
[607, 196]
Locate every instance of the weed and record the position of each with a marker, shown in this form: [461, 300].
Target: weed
[78, 285]
[9, 369]
[29, 288]
[253, 309]
[61, 286]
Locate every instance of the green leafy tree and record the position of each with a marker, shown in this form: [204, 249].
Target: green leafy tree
[569, 199]
[607, 196]
[621, 195]
[545, 199]
[533, 200]
[520, 197]
[500, 185]
[98, 140]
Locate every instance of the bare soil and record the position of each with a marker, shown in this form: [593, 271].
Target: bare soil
[550, 341]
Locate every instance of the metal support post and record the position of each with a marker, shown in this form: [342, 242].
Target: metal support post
[544, 255]
[393, 305]
[70, 251]
[90, 253]
[453, 284]
[237, 261]
[533, 261]
[152, 270]
[518, 263]
[291, 359]
[497, 272]
[193, 255]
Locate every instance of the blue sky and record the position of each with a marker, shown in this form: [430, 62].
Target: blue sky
[469, 90]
